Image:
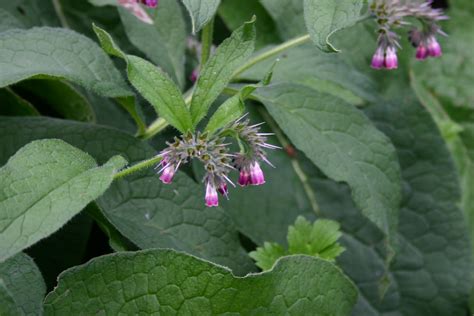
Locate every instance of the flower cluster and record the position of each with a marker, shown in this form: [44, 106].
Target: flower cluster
[134, 7]
[392, 14]
[218, 160]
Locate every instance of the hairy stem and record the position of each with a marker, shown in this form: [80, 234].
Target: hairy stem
[206, 41]
[138, 166]
[294, 162]
[271, 53]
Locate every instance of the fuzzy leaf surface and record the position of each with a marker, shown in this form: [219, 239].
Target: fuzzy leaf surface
[44, 185]
[164, 281]
[58, 53]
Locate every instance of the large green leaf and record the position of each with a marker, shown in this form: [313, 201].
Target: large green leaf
[153, 84]
[288, 16]
[22, 285]
[219, 69]
[58, 53]
[344, 144]
[146, 211]
[164, 42]
[43, 186]
[325, 17]
[201, 11]
[432, 272]
[235, 12]
[167, 282]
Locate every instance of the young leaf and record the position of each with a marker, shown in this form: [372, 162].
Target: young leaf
[325, 17]
[164, 42]
[169, 282]
[21, 280]
[43, 186]
[266, 256]
[219, 69]
[319, 239]
[201, 11]
[331, 133]
[58, 53]
[152, 83]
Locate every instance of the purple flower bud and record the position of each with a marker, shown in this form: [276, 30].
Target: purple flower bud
[421, 52]
[244, 178]
[223, 189]
[433, 47]
[378, 59]
[194, 75]
[211, 195]
[256, 174]
[150, 3]
[391, 60]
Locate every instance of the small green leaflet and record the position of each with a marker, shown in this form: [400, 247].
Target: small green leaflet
[325, 17]
[219, 69]
[201, 11]
[319, 239]
[22, 288]
[43, 186]
[166, 282]
[152, 83]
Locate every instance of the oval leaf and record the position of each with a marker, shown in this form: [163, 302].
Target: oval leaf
[58, 53]
[43, 186]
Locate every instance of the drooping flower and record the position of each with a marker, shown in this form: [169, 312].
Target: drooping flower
[392, 14]
[378, 60]
[213, 153]
[421, 52]
[391, 59]
[433, 47]
[136, 9]
[211, 195]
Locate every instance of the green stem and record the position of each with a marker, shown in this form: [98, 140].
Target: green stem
[59, 11]
[271, 53]
[139, 166]
[294, 162]
[206, 41]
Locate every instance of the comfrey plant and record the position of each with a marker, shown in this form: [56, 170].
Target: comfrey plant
[393, 14]
[214, 153]
[156, 163]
